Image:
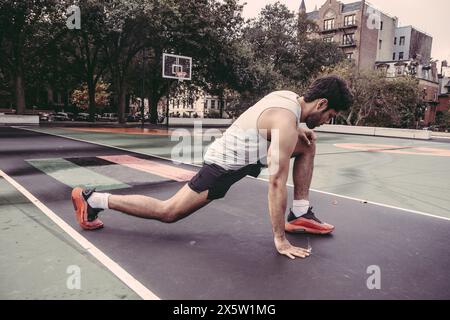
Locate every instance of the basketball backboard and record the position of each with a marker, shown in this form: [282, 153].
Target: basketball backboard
[177, 67]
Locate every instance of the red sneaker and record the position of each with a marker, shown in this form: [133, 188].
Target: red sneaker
[308, 223]
[85, 214]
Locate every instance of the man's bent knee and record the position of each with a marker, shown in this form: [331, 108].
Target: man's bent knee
[302, 148]
[170, 213]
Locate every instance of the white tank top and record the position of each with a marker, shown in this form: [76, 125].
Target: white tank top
[242, 143]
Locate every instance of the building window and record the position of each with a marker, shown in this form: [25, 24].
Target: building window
[380, 44]
[328, 24]
[349, 55]
[348, 39]
[401, 56]
[394, 56]
[400, 70]
[381, 25]
[213, 104]
[402, 41]
[395, 41]
[328, 39]
[350, 20]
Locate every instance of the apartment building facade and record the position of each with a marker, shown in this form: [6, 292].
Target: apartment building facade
[201, 106]
[374, 40]
[410, 43]
[367, 35]
[363, 33]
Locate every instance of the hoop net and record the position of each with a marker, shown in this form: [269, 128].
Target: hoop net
[181, 75]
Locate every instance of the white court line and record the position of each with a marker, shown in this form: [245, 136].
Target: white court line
[117, 270]
[381, 205]
[290, 185]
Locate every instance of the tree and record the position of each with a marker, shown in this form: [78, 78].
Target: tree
[20, 22]
[84, 47]
[443, 119]
[126, 34]
[80, 96]
[403, 93]
[283, 55]
[379, 101]
[205, 30]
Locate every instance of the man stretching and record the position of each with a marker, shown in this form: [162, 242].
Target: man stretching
[276, 117]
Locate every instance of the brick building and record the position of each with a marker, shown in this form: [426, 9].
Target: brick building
[444, 93]
[374, 40]
[365, 34]
[410, 43]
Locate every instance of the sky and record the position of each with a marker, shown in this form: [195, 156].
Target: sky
[431, 16]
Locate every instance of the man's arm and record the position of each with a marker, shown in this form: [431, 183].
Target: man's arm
[284, 139]
[307, 135]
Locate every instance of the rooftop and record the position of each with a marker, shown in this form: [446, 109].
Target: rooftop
[354, 6]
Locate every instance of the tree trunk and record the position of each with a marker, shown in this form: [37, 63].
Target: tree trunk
[360, 117]
[349, 119]
[221, 105]
[122, 105]
[50, 100]
[360, 120]
[153, 104]
[66, 100]
[127, 103]
[92, 107]
[19, 92]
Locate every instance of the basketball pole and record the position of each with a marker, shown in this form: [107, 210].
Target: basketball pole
[167, 105]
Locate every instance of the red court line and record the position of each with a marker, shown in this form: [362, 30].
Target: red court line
[421, 151]
[153, 167]
[145, 131]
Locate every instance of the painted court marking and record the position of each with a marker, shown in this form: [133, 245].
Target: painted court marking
[153, 167]
[73, 175]
[422, 151]
[144, 131]
[111, 265]
[195, 165]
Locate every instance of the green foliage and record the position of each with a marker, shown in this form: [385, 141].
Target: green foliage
[122, 42]
[380, 101]
[80, 96]
[443, 119]
[282, 55]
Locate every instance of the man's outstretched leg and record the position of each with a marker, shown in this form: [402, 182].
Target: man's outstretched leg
[301, 219]
[88, 204]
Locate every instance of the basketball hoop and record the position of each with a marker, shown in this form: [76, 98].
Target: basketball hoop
[181, 75]
[177, 67]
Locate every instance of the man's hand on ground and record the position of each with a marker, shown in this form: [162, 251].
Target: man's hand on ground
[285, 248]
[307, 135]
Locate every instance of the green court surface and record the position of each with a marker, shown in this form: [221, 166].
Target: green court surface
[73, 175]
[417, 182]
[38, 260]
[37, 256]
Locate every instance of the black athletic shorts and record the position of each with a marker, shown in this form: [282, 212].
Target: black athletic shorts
[218, 180]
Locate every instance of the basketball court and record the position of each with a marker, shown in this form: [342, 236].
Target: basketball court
[388, 199]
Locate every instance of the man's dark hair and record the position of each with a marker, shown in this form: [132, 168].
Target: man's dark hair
[332, 88]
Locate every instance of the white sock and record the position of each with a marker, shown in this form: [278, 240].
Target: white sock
[300, 207]
[99, 200]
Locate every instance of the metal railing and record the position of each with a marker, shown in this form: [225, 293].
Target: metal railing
[339, 26]
[344, 44]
